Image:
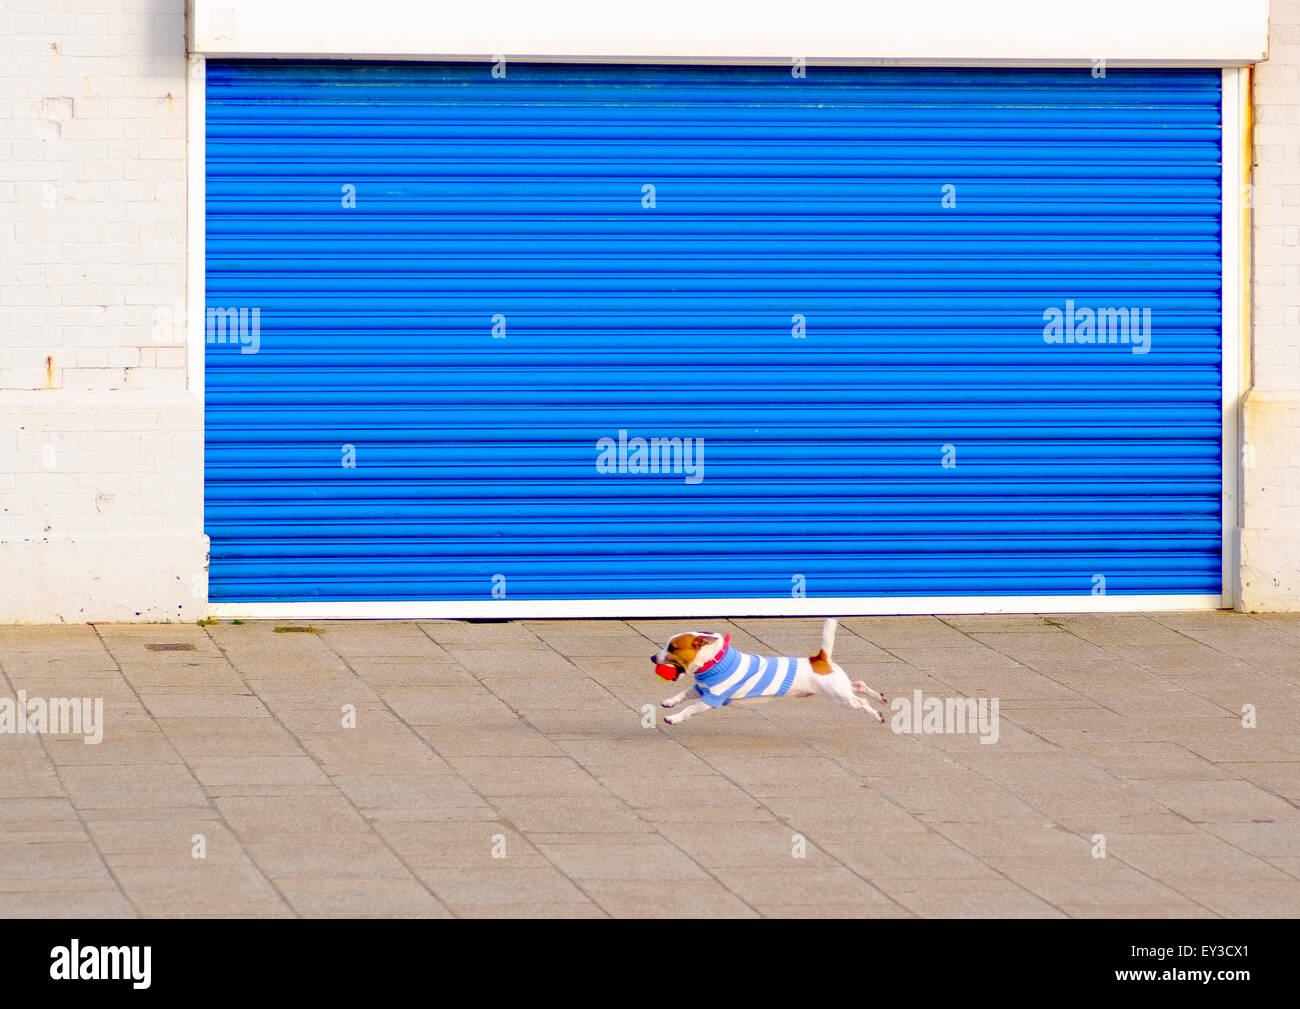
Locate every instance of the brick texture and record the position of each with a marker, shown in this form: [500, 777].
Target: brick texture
[1269, 537]
[100, 439]
[101, 445]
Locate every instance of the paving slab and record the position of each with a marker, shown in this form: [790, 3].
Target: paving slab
[347, 897]
[964, 903]
[669, 898]
[508, 769]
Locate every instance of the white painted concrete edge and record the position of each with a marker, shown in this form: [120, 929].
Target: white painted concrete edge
[1208, 33]
[510, 609]
[1234, 118]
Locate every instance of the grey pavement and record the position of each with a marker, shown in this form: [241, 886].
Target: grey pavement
[446, 768]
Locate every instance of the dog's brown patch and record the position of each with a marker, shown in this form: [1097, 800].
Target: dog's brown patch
[684, 647]
[820, 664]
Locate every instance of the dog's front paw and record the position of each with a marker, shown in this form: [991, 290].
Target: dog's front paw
[671, 720]
[670, 703]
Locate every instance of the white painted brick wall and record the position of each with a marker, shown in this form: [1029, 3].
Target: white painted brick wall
[101, 445]
[100, 441]
[1269, 537]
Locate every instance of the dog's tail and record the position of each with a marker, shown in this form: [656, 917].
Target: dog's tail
[828, 637]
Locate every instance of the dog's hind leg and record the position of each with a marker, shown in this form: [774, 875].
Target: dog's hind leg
[837, 687]
[862, 690]
[864, 706]
[853, 701]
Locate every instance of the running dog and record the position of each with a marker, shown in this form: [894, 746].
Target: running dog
[725, 675]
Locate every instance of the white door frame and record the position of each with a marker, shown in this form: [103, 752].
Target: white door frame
[1235, 116]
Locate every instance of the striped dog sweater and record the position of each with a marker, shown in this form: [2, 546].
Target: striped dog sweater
[735, 674]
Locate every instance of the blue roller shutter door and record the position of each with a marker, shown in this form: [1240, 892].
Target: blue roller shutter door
[469, 296]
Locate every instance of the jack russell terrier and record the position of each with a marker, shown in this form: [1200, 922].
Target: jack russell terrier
[725, 675]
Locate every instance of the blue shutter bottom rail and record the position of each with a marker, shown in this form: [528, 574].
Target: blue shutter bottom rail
[823, 454]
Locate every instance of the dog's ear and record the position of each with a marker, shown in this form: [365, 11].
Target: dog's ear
[702, 640]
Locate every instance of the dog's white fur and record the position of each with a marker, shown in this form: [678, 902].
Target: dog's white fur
[835, 685]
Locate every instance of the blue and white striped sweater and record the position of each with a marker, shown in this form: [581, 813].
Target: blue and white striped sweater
[738, 674]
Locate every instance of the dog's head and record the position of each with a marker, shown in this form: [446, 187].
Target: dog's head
[686, 653]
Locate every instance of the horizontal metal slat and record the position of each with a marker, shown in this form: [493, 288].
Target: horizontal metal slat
[478, 197]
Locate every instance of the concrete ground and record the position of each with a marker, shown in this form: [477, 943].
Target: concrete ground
[504, 769]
